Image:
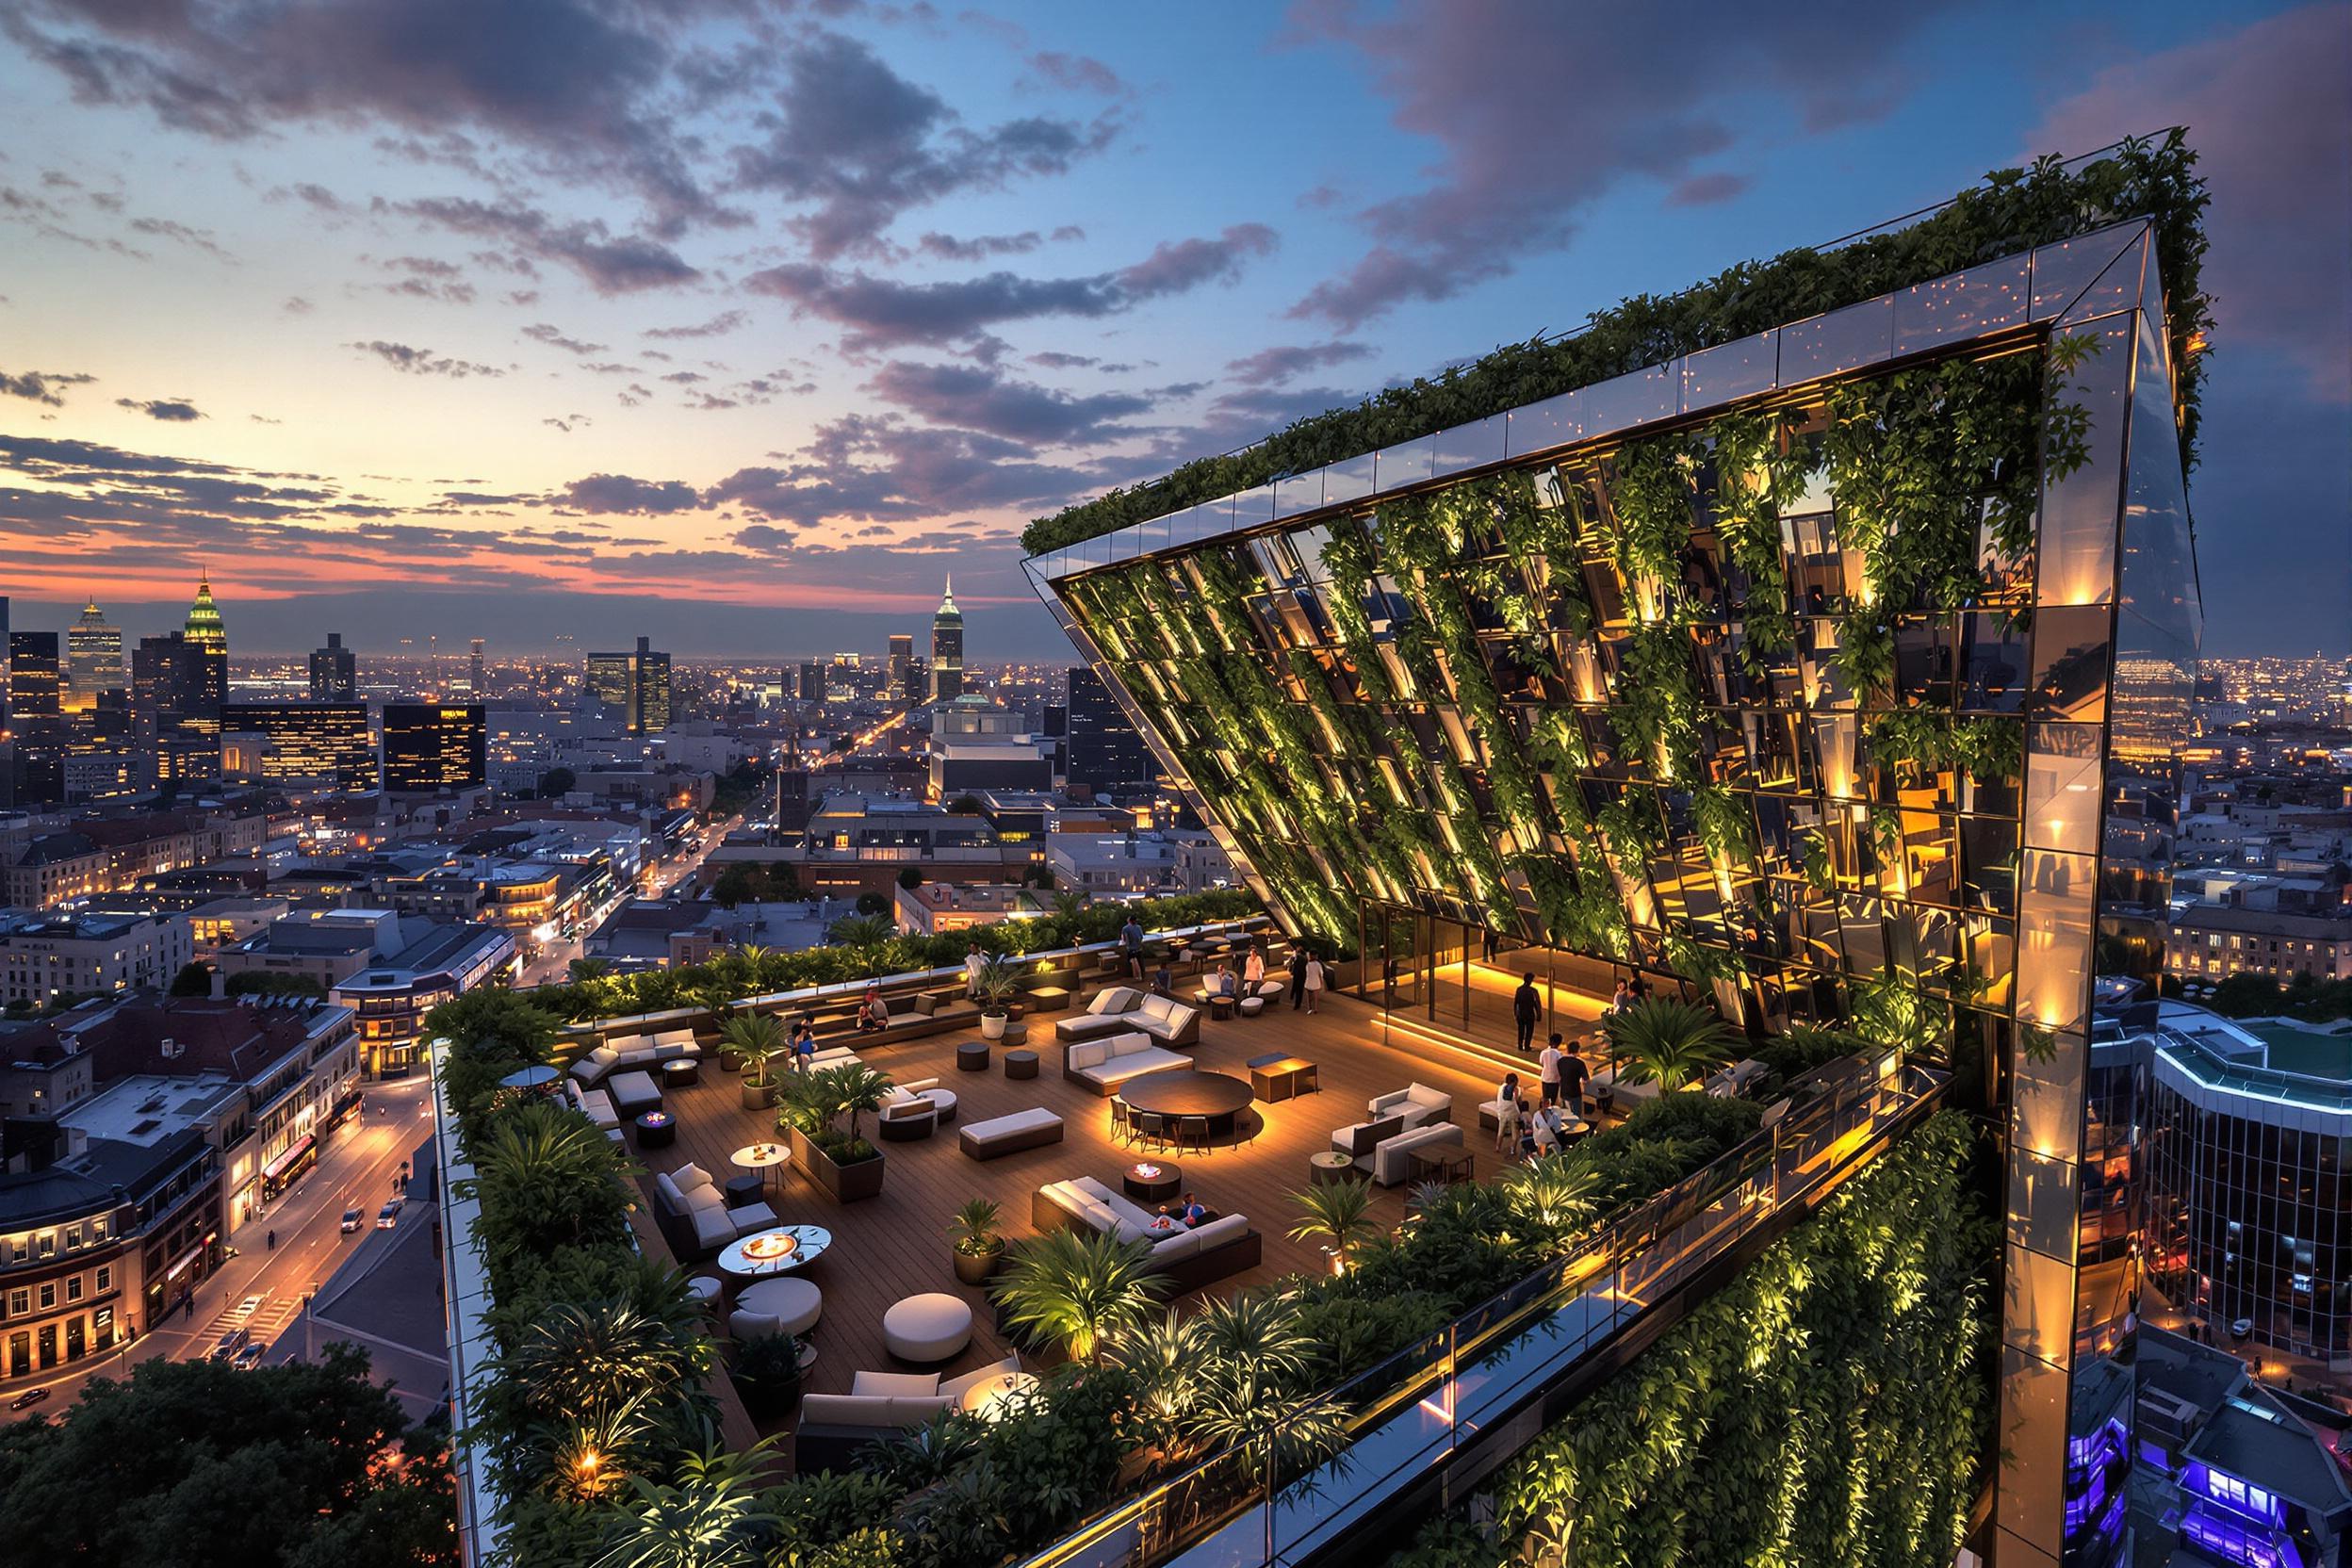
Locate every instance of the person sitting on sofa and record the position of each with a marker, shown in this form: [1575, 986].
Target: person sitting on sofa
[873, 1013]
[804, 1045]
[1164, 979]
[1223, 983]
[1193, 1212]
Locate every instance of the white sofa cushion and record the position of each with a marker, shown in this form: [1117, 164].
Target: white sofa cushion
[689, 1176]
[1117, 999]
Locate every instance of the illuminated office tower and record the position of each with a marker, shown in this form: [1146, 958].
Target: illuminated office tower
[93, 654]
[900, 664]
[473, 671]
[812, 682]
[435, 745]
[205, 627]
[633, 688]
[334, 671]
[947, 648]
[36, 725]
[308, 740]
[177, 689]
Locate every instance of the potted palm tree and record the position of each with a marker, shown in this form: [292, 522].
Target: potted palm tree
[1339, 1215]
[835, 1157]
[1074, 1289]
[997, 987]
[1668, 1041]
[979, 1246]
[756, 1041]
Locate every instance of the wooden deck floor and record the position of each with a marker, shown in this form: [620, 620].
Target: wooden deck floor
[896, 1244]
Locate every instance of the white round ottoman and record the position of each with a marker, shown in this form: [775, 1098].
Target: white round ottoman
[943, 1101]
[1253, 1005]
[704, 1289]
[932, 1327]
[794, 1304]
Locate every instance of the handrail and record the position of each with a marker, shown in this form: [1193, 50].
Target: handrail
[1413, 1410]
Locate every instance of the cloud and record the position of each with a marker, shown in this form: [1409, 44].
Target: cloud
[423, 362]
[171, 410]
[165, 228]
[2266, 106]
[975, 397]
[882, 312]
[859, 145]
[426, 278]
[980, 247]
[542, 332]
[1702, 190]
[614, 495]
[1316, 198]
[718, 326]
[297, 305]
[1274, 365]
[1519, 158]
[41, 385]
[1077, 73]
[625, 263]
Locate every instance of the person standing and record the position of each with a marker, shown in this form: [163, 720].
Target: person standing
[1506, 1112]
[1130, 944]
[1526, 1010]
[1573, 1073]
[1253, 970]
[1299, 961]
[1314, 981]
[975, 961]
[1623, 999]
[1547, 1065]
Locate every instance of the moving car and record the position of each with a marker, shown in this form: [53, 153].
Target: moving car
[28, 1399]
[388, 1216]
[352, 1219]
[231, 1342]
[250, 1356]
[251, 1305]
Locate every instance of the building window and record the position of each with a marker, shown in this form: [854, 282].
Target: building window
[48, 1294]
[106, 1277]
[74, 1288]
[20, 1302]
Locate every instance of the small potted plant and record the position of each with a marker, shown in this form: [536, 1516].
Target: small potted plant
[997, 987]
[767, 1376]
[979, 1247]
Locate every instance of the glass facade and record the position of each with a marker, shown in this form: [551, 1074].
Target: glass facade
[1836, 688]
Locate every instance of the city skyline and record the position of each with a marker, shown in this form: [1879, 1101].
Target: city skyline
[930, 309]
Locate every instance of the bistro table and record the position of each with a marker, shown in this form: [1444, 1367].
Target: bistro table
[1328, 1168]
[778, 1251]
[1281, 1078]
[1186, 1092]
[761, 1159]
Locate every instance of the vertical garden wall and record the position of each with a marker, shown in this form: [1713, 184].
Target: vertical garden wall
[1831, 1405]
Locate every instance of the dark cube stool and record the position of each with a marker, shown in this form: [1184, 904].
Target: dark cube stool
[973, 1056]
[1021, 1064]
[746, 1190]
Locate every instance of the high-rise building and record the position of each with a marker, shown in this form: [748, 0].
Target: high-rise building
[36, 719]
[177, 689]
[205, 627]
[473, 672]
[334, 671]
[1103, 750]
[307, 740]
[918, 681]
[947, 648]
[435, 745]
[93, 652]
[633, 688]
[901, 664]
[811, 681]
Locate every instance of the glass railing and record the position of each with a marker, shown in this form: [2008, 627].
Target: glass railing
[1243, 1507]
[2215, 1071]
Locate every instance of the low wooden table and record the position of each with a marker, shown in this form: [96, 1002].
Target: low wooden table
[1448, 1166]
[1165, 1181]
[1328, 1168]
[1221, 1006]
[1279, 1078]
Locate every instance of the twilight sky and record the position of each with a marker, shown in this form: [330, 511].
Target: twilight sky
[741, 323]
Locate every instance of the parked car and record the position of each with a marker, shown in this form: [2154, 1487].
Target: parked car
[388, 1216]
[250, 1356]
[353, 1219]
[28, 1399]
[231, 1342]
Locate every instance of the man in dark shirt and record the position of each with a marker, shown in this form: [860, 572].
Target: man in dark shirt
[1526, 1010]
[1573, 1072]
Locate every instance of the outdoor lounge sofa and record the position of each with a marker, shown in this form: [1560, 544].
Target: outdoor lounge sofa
[1125, 1009]
[1418, 1104]
[1103, 1064]
[1388, 1162]
[835, 1428]
[691, 1212]
[1191, 1258]
[640, 1052]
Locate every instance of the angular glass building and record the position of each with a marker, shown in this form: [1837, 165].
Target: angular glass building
[1830, 669]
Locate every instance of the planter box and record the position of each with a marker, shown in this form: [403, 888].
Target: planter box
[847, 1183]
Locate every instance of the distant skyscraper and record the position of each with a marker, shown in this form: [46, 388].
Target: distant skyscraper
[902, 664]
[435, 745]
[334, 671]
[811, 681]
[177, 688]
[205, 627]
[1105, 751]
[94, 660]
[473, 672]
[309, 740]
[36, 718]
[632, 687]
[918, 681]
[947, 648]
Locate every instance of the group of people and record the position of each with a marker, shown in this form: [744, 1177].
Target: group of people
[1561, 1074]
[1187, 1210]
[1527, 1006]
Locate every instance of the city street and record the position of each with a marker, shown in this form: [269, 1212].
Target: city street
[355, 1170]
[552, 964]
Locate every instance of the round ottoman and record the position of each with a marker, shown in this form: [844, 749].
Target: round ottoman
[704, 1289]
[794, 1304]
[1253, 1005]
[942, 1101]
[973, 1056]
[1016, 1031]
[1021, 1064]
[928, 1327]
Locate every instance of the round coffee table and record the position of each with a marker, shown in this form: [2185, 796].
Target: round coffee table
[679, 1071]
[656, 1129]
[1329, 1167]
[751, 1258]
[1154, 1181]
